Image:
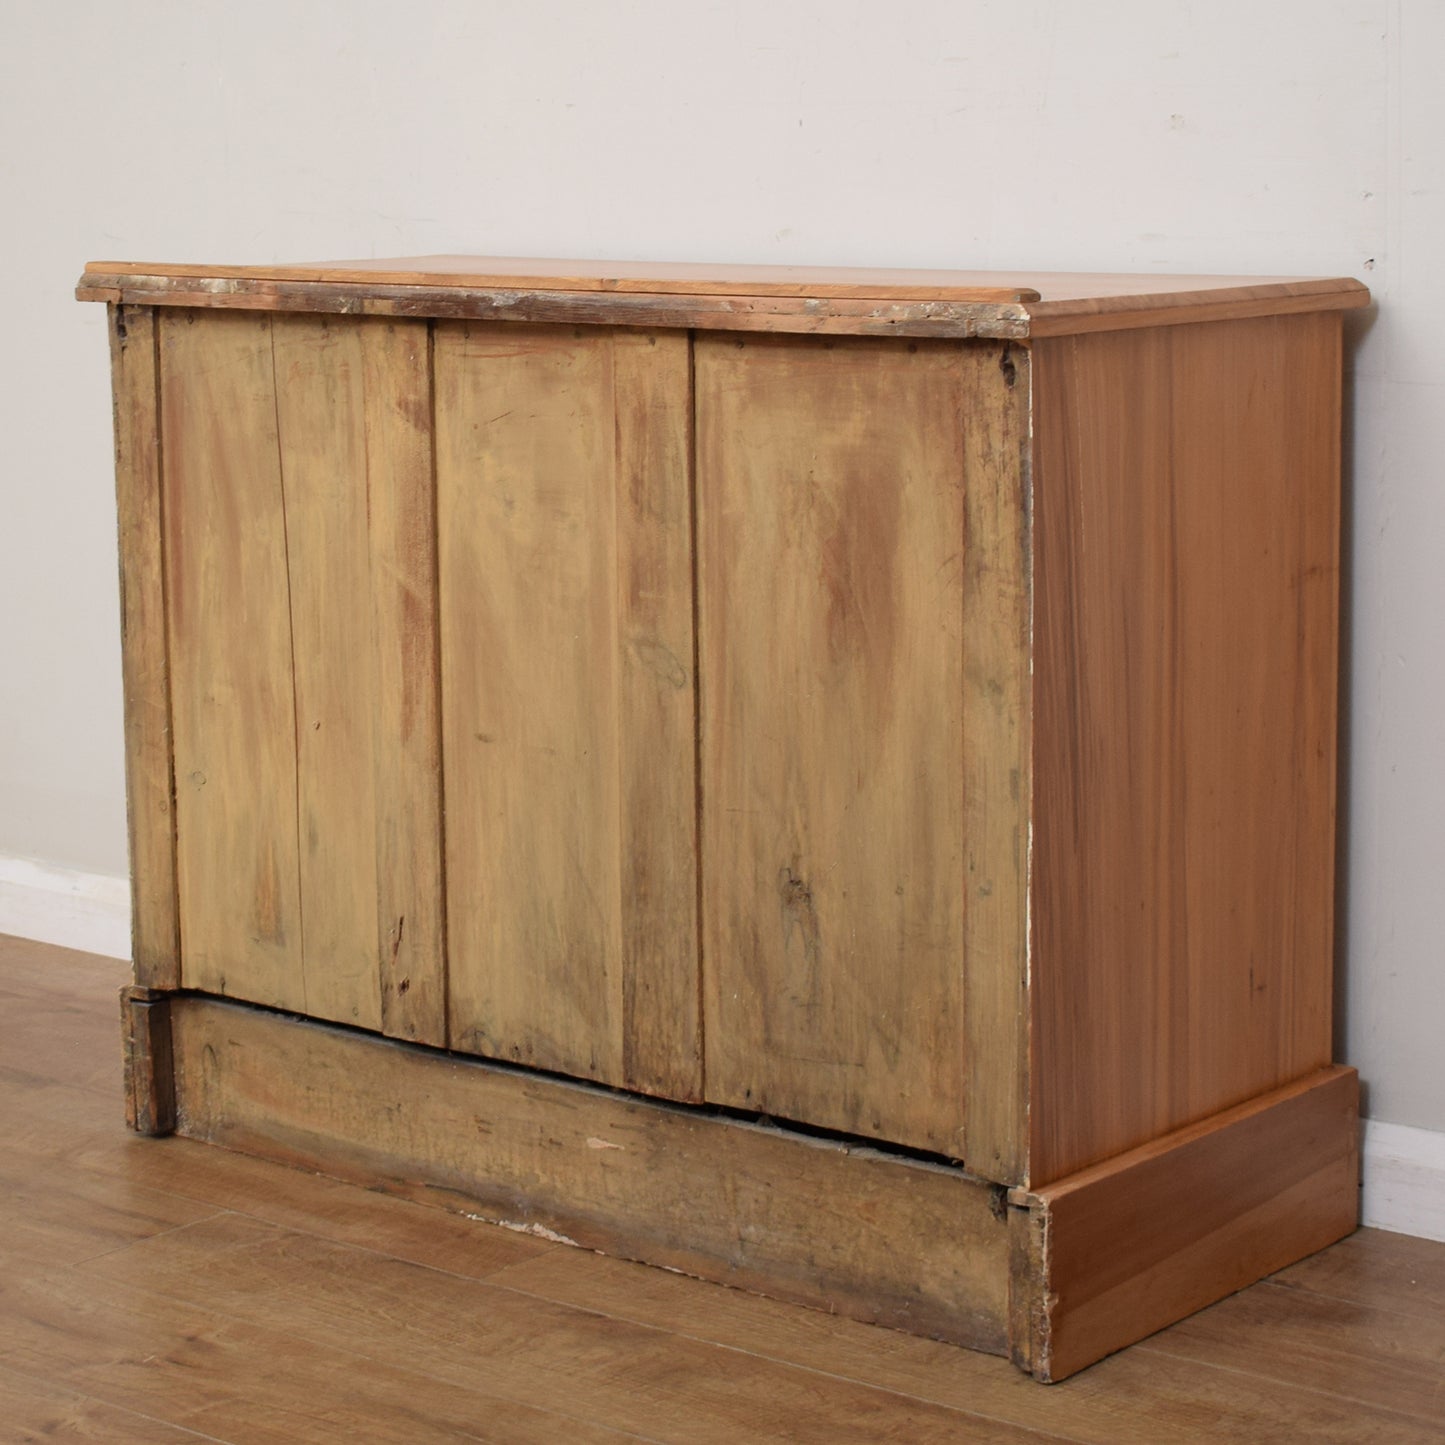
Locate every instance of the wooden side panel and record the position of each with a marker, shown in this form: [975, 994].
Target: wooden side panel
[150, 784]
[831, 565]
[406, 695]
[1186, 526]
[298, 483]
[997, 741]
[231, 659]
[1134, 1244]
[794, 1217]
[565, 577]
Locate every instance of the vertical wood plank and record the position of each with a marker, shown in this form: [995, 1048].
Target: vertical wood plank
[406, 726]
[322, 446]
[150, 783]
[228, 612]
[1187, 563]
[661, 987]
[997, 784]
[549, 648]
[831, 562]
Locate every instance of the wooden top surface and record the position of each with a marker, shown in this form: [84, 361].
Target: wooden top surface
[1022, 303]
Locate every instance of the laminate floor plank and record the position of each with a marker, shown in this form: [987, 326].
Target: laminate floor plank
[463, 1332]
[1374, 1267]
[65, 1221]
[163, 1291]
[1128, 1399]
[36, 1410]
[229, 1380]
[1378, 1357]
[52, 1040]
[57, 1122]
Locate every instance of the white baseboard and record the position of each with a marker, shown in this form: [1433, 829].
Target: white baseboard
[1404, 1174]
[1404, 1168]
[87, 911]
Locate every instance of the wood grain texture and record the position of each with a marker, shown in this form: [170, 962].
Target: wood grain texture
[354, 410]
[150, 1084]
[831, 613]
[1186, 531]
[566, 625]
[997, 787]
[145, 665]
[1131, 1245]
[231, 649]
[303, 625]
[406, 696]
[656, 703]
[752, 1206]
[786, 298]
[313, 1329]
[321, 443]
[681, 278]
[803, 314]
[1384, 1358]
[39, 1409]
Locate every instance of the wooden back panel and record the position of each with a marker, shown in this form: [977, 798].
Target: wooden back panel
[1186, 535]
[830, 506]
[302, 775]
[564, 500]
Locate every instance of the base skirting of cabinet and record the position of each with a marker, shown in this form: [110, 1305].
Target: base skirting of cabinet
[1057, 1277]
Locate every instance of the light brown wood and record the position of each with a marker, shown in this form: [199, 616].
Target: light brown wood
[784, 298]
[231, 650]
[1134, 1244]
[656, 709]
[123, 1313]
[1185, 601]
[1385, 1358]
[409, 903]
[563, 497]
[948, 764]
[306, 514]
[831, 539]
[748, 1205]
[997, 619]
[682, 278]
[321, 442]
[150, 785]
[808, 315]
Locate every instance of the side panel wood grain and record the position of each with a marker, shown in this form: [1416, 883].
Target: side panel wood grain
[565, 577]
[1186, 526]
[831, 565]
[756, 1207]
[150, 783]
[1134, 1244]
[231, 659]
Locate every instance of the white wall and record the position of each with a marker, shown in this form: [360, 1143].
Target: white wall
[1272, 136]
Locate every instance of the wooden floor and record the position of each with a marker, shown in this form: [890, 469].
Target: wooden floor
[162, 1291]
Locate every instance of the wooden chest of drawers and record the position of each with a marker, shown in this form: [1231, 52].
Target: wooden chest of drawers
[822, 780]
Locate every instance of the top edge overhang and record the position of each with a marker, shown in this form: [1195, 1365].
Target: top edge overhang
[756, 298]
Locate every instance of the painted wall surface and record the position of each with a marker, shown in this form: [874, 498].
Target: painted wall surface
[1292, 136]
